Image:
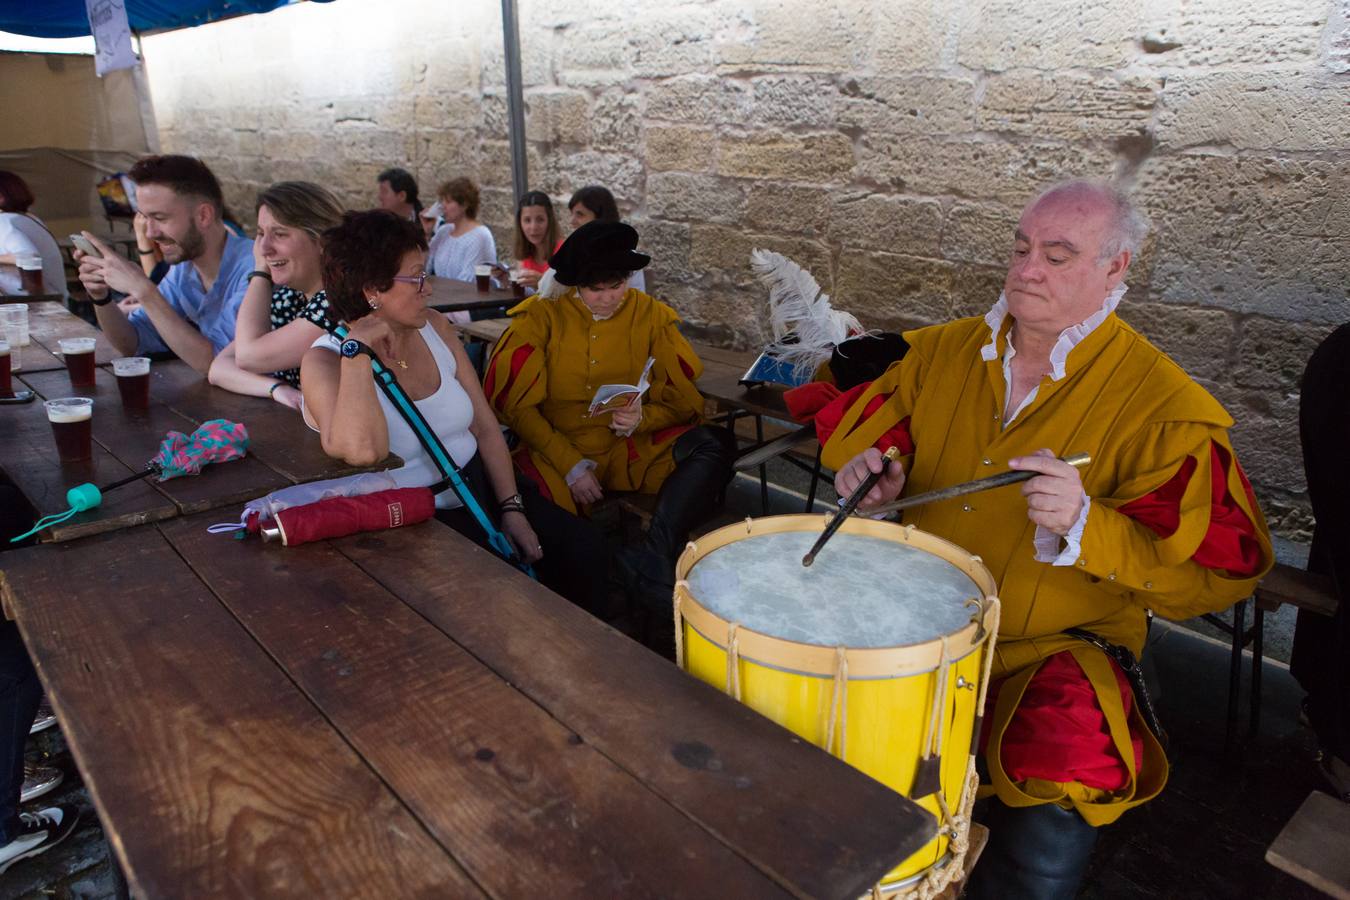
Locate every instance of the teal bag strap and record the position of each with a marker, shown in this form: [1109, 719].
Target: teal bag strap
[452, 479]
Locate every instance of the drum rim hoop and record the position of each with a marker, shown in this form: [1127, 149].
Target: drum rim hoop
[864, 663]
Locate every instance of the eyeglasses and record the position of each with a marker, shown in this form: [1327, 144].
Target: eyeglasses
[420, 280]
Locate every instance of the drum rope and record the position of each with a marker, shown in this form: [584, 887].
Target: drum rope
[679, 624]
[838, 703]
[936, 880]
[733, 661]
[942, 698]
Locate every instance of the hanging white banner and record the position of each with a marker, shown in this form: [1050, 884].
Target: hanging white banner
[112, 35]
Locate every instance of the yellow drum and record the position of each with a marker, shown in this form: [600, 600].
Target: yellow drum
[879, 653]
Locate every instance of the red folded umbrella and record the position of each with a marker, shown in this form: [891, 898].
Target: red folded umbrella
[340, 516]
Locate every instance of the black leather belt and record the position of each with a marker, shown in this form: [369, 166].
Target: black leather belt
[1133, 673]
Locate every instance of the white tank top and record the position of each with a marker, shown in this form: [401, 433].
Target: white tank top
[448, 411]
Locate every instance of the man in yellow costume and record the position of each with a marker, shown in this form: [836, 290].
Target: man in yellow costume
[1162, 519]
[585, 330]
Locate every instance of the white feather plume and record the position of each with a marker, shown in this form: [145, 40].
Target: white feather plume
[799, 309]
[549, 288]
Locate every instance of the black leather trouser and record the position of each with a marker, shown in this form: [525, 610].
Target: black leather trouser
[1034, 852]
[689, 495]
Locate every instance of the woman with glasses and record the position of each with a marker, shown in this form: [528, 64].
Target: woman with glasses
[284, 308]
[374, 270]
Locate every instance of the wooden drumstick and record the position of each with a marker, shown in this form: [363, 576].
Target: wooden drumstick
[1077, 460]
[851, 504]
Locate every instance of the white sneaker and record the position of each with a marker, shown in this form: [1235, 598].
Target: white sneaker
[45, 717]
[38, 780]
[39, 832]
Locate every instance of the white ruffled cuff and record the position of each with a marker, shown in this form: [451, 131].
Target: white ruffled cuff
[1048, 543]
[578, 470]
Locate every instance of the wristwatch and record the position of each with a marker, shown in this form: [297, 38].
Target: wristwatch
[352, 348]
[259, 273]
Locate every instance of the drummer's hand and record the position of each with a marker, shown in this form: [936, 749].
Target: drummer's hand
[847, 479]
[586, 489]
[518, 531]
[1055, 496]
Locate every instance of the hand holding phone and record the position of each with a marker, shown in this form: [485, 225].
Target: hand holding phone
[84, 246]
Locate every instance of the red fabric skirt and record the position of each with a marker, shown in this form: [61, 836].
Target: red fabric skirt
[1059, 733]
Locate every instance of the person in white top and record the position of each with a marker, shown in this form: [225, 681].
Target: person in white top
[462, 243]
[22, 234]
[374, 272]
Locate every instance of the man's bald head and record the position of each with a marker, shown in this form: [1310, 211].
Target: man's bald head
[1124, 226]
[1071, 249]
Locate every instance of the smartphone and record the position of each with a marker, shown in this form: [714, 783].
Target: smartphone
[82, 244]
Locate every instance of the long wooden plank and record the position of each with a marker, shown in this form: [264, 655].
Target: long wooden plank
[522, 803]
[28, 456]
[279, 436]
[33, 357]
[452, 294]
[48, 323]
[134, 437]
[1314, 846]
[819, 826]
[212, 774]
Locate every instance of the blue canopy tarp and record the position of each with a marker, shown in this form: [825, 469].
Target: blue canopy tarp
[68, 18]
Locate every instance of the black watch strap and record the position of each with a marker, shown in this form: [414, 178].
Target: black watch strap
[104, 302]
[259, 273]
[352, 348]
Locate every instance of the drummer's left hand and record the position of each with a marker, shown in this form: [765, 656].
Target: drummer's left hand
[1055, 496]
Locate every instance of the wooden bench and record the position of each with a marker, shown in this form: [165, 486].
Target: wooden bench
[1283, 585]
[1314, 846]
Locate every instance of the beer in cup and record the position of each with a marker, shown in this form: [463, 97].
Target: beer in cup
[483, 275]
[133, 380]
[30, 274]
[14, 323]
[79, 355]
[71, 419]
[6, 382]
[517, 289]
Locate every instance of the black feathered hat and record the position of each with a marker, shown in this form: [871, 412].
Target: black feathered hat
[597, 248]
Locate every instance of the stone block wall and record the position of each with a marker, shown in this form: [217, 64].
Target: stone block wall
[886, 144]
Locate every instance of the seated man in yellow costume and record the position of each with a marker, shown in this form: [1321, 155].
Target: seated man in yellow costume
[587, 328]
[1162, 519]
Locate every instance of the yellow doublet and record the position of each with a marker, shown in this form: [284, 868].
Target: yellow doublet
[547, 367]
[1139, 416]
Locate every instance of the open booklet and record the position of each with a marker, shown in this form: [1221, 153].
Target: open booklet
[610, 397]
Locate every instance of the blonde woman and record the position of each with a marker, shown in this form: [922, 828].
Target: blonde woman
[285, 307]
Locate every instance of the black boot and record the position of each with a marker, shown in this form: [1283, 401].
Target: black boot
[1034, 852]
[688, 496]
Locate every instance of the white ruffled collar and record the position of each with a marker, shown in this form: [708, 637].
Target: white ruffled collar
[1068, 338]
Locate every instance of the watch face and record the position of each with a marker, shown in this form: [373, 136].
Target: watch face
[350, 348]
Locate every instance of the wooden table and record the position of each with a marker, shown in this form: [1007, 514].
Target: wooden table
[449, 295]
[48, 324]
[282, 450]
[400, 714]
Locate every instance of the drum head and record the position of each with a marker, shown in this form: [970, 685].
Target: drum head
[860, 592]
